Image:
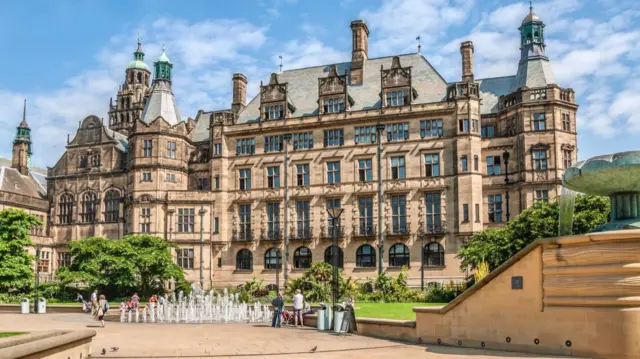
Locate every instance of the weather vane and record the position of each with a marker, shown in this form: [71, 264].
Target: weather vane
[530, 5]
[280, 63]
[419, 46]
[139, 38]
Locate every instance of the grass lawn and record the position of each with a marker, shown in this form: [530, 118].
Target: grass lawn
[390, 310]
[9, 334]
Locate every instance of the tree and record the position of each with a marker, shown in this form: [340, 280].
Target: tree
[16, 264]
[137, 263]
[496, 246]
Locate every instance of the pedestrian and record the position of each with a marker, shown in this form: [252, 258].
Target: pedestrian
[278, 304]
[135, 301]
[94, 302]
[103, 307]
[298, 305]
[153, 302]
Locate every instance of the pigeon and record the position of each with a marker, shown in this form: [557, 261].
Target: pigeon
[314, 349]
[104, 351]
[114, 349]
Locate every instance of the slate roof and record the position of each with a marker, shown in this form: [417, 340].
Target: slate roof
[122, 143]
[490, 91]
[14, 182]
[534, 72]
[201, 131]
[303, 86]
[161, 103]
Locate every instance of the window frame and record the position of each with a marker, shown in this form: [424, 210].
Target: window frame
[366, 260]
[397, 258]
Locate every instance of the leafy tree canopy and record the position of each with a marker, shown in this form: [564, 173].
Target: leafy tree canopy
[496, 246]
[137, 263]
[16, 265]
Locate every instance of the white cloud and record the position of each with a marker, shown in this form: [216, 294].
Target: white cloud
[395, 25]
[309, 53]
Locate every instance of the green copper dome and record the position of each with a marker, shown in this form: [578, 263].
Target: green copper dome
[137, 64]
[163, 57]
[163, 67]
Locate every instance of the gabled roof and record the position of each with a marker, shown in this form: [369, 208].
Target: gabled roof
[303, 86]
[161, 103]
[122, 143]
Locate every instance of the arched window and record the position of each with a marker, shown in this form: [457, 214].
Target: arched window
[112, 206]
[89, 201]
[272, 259]
[328, 255]
[302, 258]
[244, 260]
[398, 255]
[366, 256]
[66, 209]
[434, 255]
[139, 77]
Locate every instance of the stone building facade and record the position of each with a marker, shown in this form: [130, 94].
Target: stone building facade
[239, 189]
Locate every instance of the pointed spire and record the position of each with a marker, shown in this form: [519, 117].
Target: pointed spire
[139, 54]
[24, 124]
[530, 6]
[163, 66]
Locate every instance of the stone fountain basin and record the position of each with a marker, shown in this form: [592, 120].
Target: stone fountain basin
[605, 175]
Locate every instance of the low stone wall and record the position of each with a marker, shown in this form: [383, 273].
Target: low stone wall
[15, 308]
[50, 344]
[401, 330]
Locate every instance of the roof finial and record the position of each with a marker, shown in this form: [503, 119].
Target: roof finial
[24, 110]
[139, 38]
[163, 47]
[419, 46]
[280, 63]
[530, 6]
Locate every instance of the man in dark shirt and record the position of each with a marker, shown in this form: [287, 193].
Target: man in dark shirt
[278, 304]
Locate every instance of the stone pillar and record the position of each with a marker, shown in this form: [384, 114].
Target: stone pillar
[239, 93]
[466, 50]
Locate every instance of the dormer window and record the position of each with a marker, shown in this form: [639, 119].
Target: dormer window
[333, 105]
[273, 112]
[398, 98]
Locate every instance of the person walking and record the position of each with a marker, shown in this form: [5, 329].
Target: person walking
[278, 304]
[135, 301]
[94, 302]
[103, 307]
[298, 305]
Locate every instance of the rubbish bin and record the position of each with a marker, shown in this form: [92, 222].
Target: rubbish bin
[24, 306]
[338, 316]
[42, 305]
[327, 318]
[320, 321]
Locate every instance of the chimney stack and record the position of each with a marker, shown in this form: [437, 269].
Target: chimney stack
[239, 93]
[360, 50]
[466, 50]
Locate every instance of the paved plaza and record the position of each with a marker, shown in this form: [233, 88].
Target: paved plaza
[232, 341]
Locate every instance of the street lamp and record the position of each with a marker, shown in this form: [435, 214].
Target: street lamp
[334, 214]
[37, 279]
[379, 129]
[505, 159]
[287, 138]
[170, 212]
[422, 235]
[201, 212]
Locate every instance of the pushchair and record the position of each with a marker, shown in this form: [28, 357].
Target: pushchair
[287, 318]
[86, 306]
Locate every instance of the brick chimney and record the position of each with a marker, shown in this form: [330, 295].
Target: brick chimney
[360, 50]
[466, 50]
[239, 93]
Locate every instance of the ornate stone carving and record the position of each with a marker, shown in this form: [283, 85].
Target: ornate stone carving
[333, 83]
[396, 76]
[274, 91]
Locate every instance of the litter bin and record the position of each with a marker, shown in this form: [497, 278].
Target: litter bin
[327, 318]
[320, 321]
[42, 305]
[338, 316]
[24, 306]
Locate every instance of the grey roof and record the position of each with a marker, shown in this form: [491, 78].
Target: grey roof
[534, 72]
[122, 143]
[14, 182]
[490, 91]
[531, 17]
[303, 86]
[201, 131]
[161, 103]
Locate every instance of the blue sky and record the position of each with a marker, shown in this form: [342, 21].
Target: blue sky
[68, 57]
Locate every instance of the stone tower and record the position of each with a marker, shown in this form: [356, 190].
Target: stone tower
[132, 94]
[360, 50]
[21, 154]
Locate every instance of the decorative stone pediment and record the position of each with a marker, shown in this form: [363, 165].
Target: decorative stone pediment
[333, 83]
[396, 76]
[566, 146]
[540, 146]
[274, 91]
